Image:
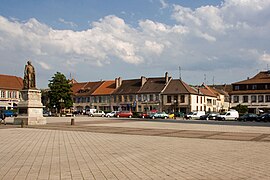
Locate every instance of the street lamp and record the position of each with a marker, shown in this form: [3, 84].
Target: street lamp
[61, 101]
[174, 101]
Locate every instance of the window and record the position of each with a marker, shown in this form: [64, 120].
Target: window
[260, 98]
[235, 99]
[214, 102]
[182, 98]
[253, 98]
[119, 98]
[151, 97]
[145, 97]
[125, 98]
[245, 99]
[157, 97]
[169, 99]
[197, 99]
[254, 86]
[236, 88]
[201, 100]
[130, 98]
[267, 98]
[139, 98]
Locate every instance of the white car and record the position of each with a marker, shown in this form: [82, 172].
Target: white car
[111, 114]
[97, 114]
[232, 114]
[195, 115]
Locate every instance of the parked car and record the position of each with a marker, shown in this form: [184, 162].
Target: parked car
[162, 115]
[264, 117]
[128, 114]
[195, 115]
[248, 117]
[9, 113]
[97, 114]
[89, 111]
[229, 115]
[111, 114]
[47, 113]
[209, 116]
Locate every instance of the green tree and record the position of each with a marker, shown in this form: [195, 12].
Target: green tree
[242, 109]
[60, 92]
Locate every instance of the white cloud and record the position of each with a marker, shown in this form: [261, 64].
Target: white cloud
[231, 35]
[164, 4]
[265, 57]
[44, 65]
[72, 24]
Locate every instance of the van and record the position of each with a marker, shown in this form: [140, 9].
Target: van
[90, 111]
[232, 114]
[195, 115]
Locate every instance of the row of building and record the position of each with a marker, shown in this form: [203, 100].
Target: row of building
[160, 93]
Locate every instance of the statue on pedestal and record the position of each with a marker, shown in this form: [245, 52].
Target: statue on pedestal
[29, 81]
[30, 108]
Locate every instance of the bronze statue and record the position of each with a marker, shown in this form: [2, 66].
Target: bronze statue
[29, 81]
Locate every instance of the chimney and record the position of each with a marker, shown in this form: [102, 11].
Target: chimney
[119, 81]
[116, 83]
[166, 77]
[143, 80]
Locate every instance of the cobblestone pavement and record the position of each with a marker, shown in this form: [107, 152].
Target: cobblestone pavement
[118, 149]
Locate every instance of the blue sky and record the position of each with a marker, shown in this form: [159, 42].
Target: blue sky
[220, 41]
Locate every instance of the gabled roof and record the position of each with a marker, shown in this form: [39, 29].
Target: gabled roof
[177, 86]
[11, 82]
[106, 88]
[131, 86]
[77, 86]
[153, 85]
[260, 78]
[207, 90]
[86, 89]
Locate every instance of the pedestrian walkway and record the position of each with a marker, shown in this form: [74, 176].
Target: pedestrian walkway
[96, 149]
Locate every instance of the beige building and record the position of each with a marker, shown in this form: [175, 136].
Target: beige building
[10, 87]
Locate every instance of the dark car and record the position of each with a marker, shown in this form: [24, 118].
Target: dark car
[264, 118]
[128, 114]
[248, 117]
[209, 116]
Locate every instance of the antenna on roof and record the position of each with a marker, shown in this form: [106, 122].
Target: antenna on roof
[204, 80]
[180, 73]
[213, 80]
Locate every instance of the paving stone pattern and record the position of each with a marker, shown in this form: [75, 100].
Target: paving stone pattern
[61, 151]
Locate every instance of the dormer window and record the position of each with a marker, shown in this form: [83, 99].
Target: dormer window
[254, 87]
[236, 88]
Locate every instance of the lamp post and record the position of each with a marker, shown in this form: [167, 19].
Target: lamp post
[174, 101]
[61, 101]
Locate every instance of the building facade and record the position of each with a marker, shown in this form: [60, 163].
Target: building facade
[253, 92]
[10, 87]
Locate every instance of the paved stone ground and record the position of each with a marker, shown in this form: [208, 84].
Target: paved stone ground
[118, 149]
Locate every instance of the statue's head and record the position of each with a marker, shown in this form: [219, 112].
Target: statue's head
[29, 62]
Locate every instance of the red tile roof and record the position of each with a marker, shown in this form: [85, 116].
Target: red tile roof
[11, 82]
[260, 78]
[106, 88]
[207, 91]
[77, 86]
[177, 86]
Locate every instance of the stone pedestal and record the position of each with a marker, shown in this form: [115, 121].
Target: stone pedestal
[30, 108]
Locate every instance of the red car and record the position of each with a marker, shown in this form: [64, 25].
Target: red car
[128, 114]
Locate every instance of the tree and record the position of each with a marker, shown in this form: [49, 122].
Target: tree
[60, 92]
[242, 109]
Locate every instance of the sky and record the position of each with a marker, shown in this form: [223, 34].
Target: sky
[201, 41]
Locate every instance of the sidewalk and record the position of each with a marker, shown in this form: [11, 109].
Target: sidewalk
[27, 153]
